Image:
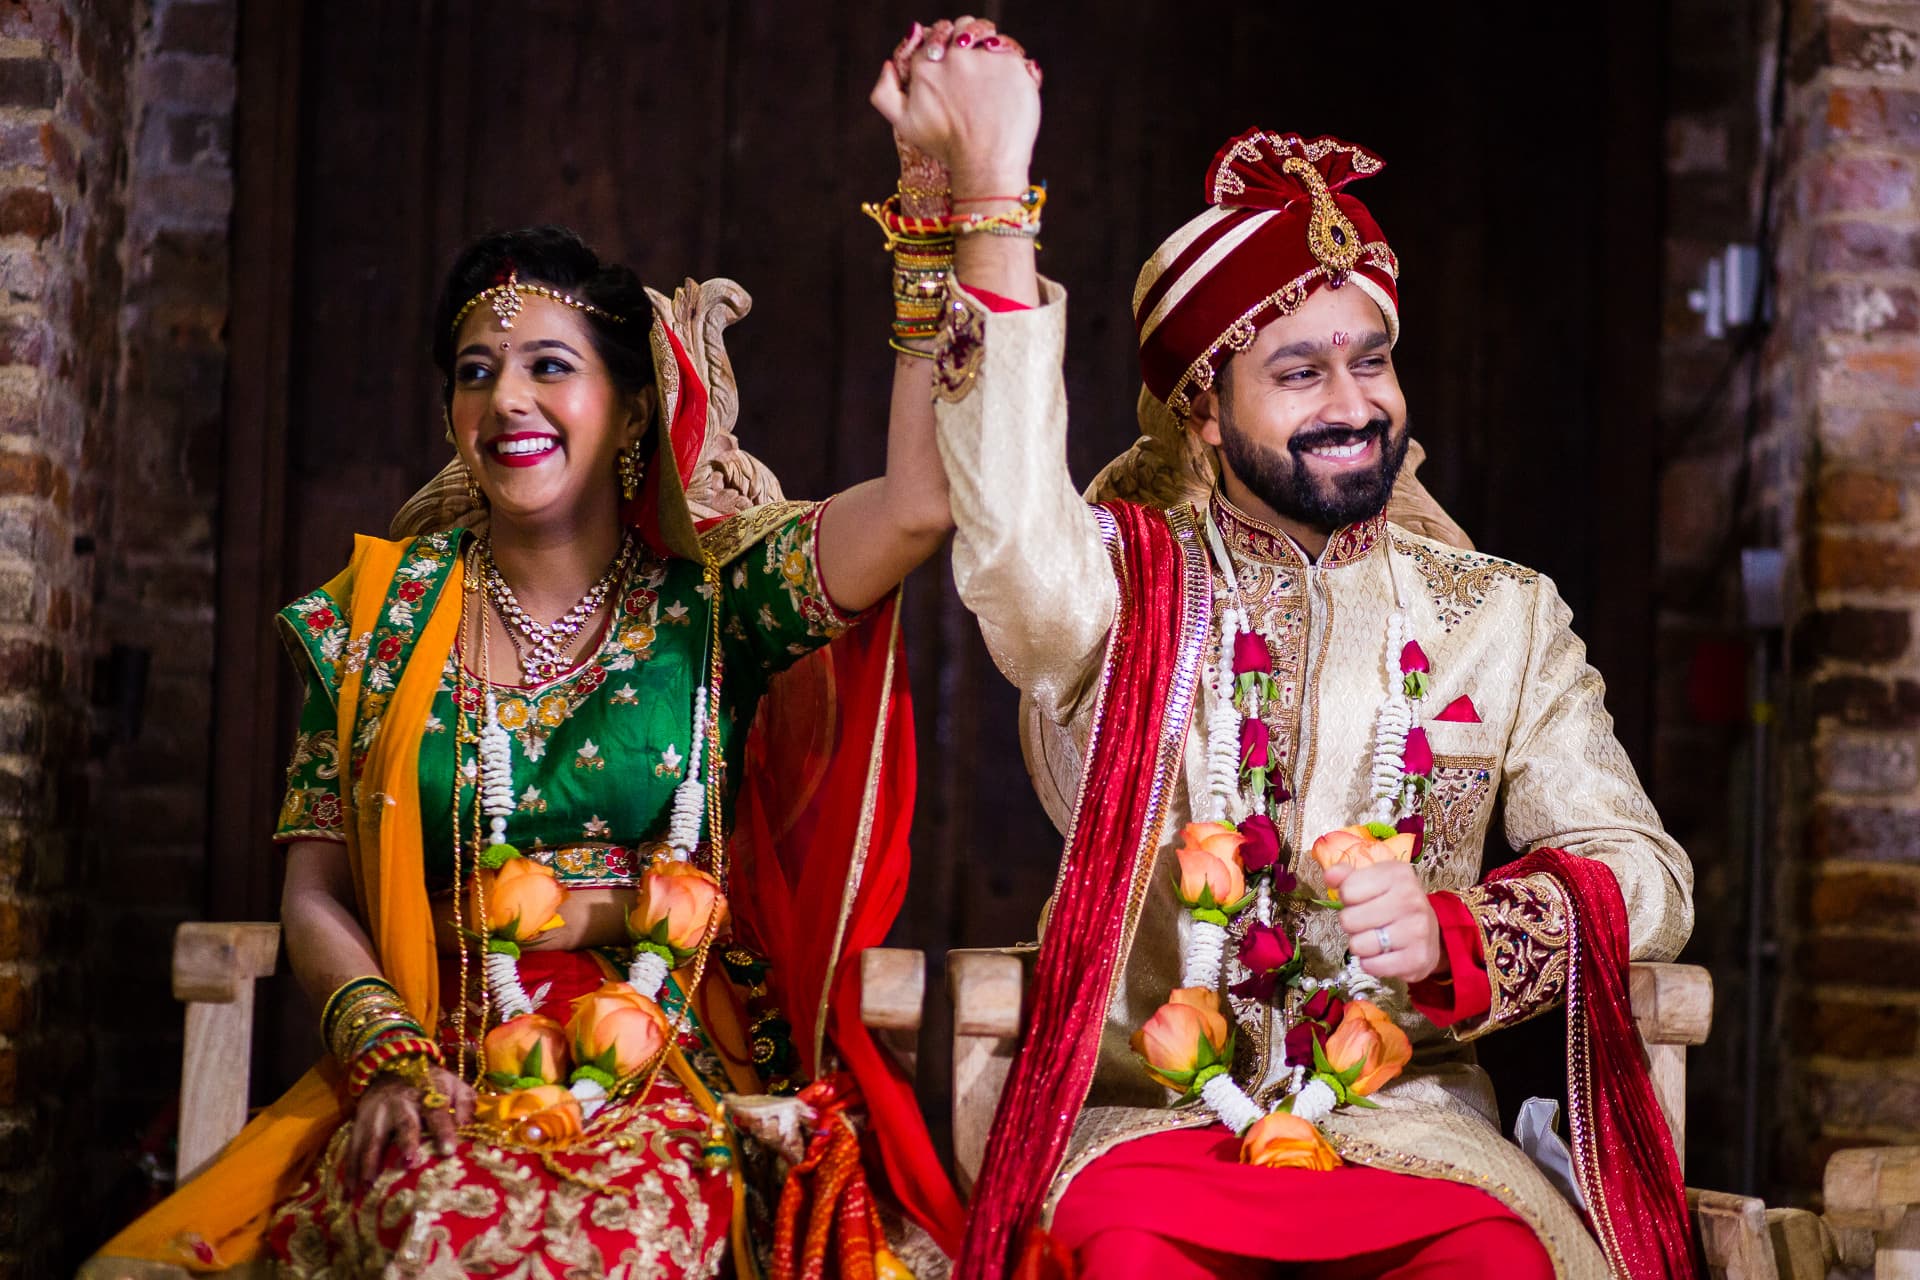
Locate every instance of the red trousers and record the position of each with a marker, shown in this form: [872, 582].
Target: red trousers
[1180, 1206]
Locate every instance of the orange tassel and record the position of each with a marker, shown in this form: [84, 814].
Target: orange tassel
[842, 1237]
[856, 1230]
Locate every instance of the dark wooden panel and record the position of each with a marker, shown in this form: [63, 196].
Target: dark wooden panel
[734, 138]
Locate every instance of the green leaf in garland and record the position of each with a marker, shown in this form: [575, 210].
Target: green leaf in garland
[587, 1071]
[1382, 830]
[496, 856]
[504, 947]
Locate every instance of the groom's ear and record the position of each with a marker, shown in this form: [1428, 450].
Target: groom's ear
[1205, 415]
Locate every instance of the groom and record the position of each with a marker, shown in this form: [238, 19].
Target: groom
[1275, 725]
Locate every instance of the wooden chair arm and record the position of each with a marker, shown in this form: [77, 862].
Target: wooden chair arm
[1672, 1008]
[1672, 1003]
[1733, 1235]
[893, 993]
[893, 988]
[1872, 1187]
[215, 967]
[988, 986]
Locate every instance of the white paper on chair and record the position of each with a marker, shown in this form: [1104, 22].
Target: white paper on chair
[1537, 1130]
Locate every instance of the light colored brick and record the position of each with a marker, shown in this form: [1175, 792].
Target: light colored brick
[1850, 764]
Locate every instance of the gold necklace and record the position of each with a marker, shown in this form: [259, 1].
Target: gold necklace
[546, 643]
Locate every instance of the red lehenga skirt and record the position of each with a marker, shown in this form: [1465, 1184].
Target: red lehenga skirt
[490, 1211]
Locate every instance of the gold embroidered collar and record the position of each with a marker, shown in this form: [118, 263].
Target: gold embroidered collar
[1261, 543]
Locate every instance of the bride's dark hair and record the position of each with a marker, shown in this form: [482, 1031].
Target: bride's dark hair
[559, 259]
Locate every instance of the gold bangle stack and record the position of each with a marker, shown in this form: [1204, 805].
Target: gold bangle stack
[361, 1012]
[921, 269]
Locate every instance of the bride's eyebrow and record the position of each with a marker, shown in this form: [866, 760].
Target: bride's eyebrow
[553, 344]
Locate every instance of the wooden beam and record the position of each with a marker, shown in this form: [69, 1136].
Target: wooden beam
[253, 473]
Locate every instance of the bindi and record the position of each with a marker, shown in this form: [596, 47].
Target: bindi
[1340, 339]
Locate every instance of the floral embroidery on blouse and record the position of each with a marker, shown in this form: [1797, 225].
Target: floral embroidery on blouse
[597, 752]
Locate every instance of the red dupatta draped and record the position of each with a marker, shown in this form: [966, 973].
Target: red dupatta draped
[821, 818]
[1623, 1153]
[820, 859]
[1117, 823]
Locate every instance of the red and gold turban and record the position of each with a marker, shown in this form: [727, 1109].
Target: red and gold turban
[1280, 226]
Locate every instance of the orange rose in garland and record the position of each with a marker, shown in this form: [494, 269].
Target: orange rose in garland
[1186, 1042]
[546, 1115]
[1362, 846]
[1366, 1050]
[528, 1051]
[1281, 1141]
[1212, 881]
[615, 1032]
[677, 908]
[522, 899]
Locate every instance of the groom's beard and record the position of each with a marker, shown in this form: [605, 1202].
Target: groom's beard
[1285, 482]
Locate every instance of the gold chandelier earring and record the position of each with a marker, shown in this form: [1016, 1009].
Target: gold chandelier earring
[476, 497]
[628, 467]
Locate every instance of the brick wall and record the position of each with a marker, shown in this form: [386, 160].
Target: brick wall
[114, 197]
[1845, 377]
[63, 157]
[157, 562]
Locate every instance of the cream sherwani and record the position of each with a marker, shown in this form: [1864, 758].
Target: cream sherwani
[1030, 561]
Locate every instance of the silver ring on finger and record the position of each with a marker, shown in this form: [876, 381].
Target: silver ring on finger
[1380, 936]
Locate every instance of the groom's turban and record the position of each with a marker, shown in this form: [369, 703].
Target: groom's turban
[1280, 226]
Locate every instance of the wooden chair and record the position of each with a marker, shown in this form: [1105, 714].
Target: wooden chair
[1673, 1007]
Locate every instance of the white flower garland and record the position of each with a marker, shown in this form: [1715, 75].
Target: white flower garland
[1394, 794]
[1389, 773]
[690, 797]
[1223, 722]
[495, 752]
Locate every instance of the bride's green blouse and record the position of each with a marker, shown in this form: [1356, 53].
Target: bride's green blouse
[596, 753]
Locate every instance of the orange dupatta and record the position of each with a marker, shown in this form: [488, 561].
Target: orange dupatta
[220, 1218]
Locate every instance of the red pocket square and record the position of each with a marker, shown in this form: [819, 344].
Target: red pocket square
[1460, 711]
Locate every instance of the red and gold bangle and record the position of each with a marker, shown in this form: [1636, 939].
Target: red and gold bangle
[386, 1054]
[900, 228]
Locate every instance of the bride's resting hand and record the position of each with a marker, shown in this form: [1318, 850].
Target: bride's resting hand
[968, 97]
[390, 1113]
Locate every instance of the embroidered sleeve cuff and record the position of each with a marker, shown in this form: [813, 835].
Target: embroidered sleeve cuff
[1462, 991]
[1523, 927]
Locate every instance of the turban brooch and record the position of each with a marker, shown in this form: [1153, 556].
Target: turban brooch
[1279, 225]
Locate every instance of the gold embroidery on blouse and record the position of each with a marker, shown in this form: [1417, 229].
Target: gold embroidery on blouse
[727, 540]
